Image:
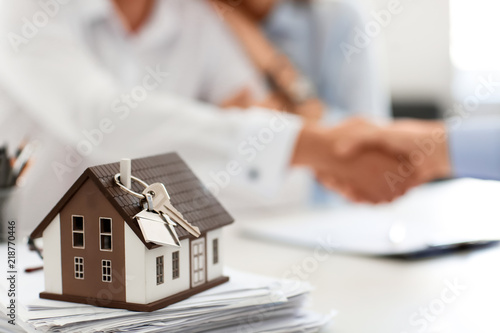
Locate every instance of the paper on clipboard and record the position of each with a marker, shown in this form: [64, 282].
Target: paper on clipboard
[452, 211]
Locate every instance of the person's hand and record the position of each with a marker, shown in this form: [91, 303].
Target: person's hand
[311, 110]
[422, 144]
[371, 175]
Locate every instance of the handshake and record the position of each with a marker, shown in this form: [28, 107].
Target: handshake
[374, 163]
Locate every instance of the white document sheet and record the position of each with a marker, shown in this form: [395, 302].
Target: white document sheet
[444, 212]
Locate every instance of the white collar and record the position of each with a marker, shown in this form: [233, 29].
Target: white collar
[163, 24]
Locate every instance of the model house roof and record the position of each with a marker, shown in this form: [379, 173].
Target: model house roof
[187, 194]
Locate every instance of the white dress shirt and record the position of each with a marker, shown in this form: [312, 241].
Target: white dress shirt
[92, 93]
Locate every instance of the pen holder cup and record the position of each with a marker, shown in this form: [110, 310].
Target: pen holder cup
[6, 211]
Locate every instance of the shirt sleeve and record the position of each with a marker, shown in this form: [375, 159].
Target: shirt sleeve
[474, 146]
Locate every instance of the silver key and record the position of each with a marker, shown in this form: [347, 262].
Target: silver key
[162, 204]
[157, 229]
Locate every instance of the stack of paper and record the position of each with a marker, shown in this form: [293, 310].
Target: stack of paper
[247, 303]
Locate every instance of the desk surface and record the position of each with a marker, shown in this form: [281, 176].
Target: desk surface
[380, 295]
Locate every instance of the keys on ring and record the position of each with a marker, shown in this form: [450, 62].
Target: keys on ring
[159, 217]
[162, 205]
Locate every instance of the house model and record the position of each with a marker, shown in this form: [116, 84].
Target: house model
[95, 251]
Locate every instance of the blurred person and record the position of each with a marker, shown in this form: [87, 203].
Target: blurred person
[99, 80]
[298, 44]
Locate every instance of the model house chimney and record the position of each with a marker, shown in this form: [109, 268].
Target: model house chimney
[125, 172]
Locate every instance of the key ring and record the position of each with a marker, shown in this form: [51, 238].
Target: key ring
[129, 191]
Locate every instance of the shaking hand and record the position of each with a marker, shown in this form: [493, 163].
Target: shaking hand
[371, 163]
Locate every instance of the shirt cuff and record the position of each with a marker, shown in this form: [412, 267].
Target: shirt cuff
[474, 146]
[265, 150]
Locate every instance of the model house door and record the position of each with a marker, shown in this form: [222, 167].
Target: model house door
[197, 262]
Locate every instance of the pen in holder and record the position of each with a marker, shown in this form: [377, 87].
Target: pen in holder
[11, 168]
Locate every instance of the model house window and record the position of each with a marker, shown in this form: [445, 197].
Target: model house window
[78, 231]
[105, 233]
[215, 247]
[159, 270]
[106, 271]
[175, 265]
[79, 268]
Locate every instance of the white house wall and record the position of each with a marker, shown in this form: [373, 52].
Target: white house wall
[135, 270]
[214, 270]
[52, 256]
[169, 287]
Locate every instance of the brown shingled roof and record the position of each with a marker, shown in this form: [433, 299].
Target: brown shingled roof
[198, 206]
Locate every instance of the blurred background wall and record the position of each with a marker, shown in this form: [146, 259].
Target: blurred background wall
[437, 51]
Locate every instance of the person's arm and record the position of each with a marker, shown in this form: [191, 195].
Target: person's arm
[474, 146]
[437, 149]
